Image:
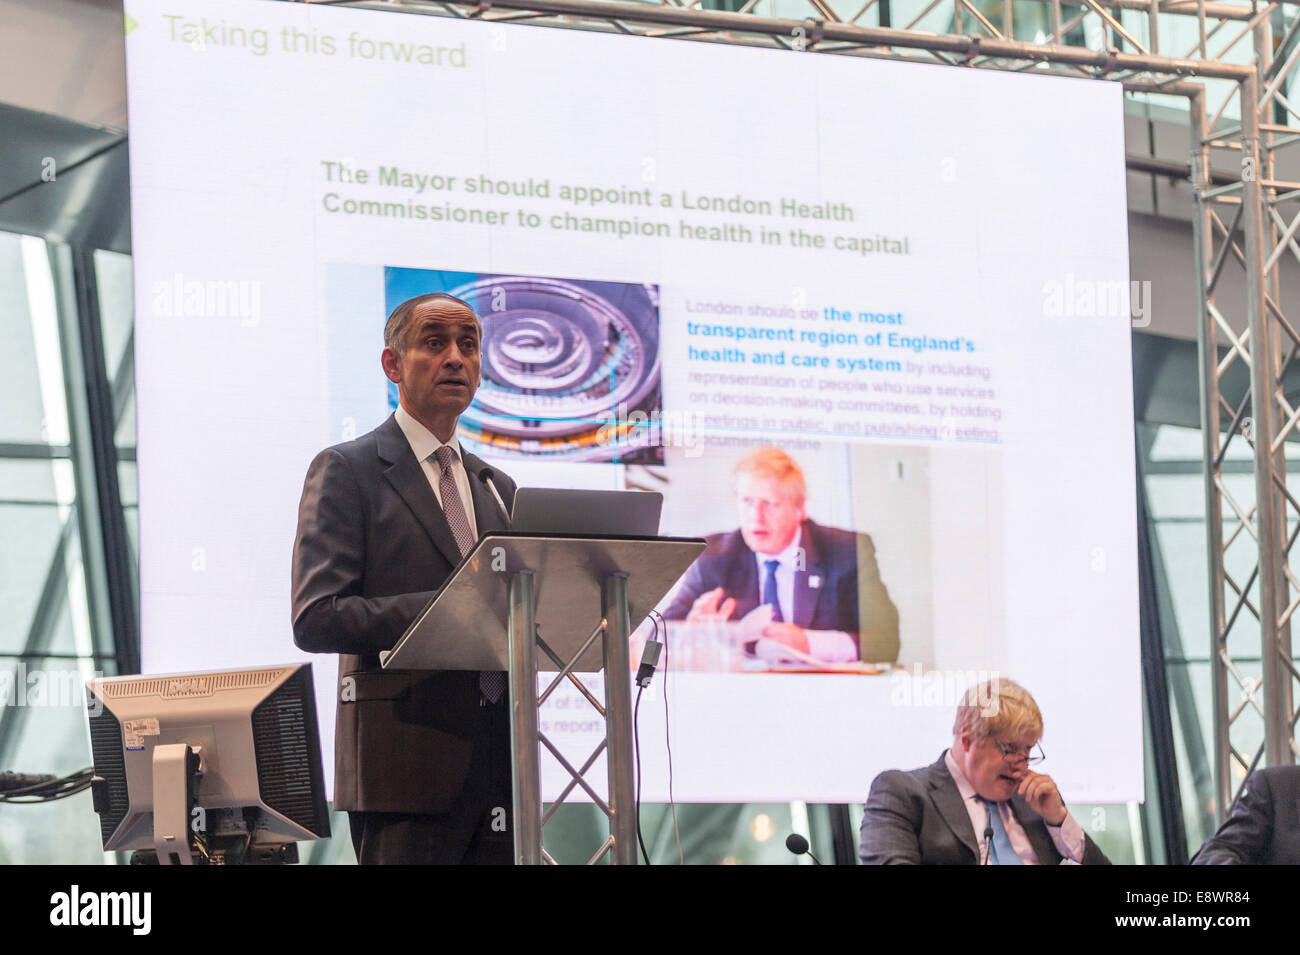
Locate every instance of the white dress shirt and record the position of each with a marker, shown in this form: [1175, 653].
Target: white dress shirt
[1067, 837]
[832, 646]
[424, 443]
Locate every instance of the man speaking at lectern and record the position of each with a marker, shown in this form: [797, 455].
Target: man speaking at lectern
[422, 758]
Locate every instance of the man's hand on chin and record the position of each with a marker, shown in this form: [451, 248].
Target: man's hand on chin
[788, 634]
[711, 606]
[1043, 797]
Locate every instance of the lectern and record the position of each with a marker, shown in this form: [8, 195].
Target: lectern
[517, 593]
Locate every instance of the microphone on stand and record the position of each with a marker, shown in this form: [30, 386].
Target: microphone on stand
[799, 845]
[486, 475]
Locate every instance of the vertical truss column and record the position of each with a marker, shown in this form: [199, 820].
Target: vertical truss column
[1256, 237]
[1270, 467]
[524, 779]
[1277, 419]
[1207, 351]
[618, 720]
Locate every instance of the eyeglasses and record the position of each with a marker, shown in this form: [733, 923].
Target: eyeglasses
[1030, 755]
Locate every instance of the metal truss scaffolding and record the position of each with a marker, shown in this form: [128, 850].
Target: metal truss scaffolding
[1232, 63]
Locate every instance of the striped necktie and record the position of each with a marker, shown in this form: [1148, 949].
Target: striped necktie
[491, 683]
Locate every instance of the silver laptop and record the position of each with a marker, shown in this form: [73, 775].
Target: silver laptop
[544, 510]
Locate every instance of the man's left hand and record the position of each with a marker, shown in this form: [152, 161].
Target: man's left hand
[1043, 797]
[790, 634]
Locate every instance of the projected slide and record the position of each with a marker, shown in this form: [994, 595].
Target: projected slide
[819, 302]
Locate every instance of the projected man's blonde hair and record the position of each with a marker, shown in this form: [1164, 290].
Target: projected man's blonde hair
[774, 463]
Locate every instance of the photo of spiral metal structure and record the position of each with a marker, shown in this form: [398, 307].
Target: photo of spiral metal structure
[565, 365]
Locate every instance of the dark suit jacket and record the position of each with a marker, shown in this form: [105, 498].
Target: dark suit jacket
[843, 565]
[1264, 825]
[918, 818]
[372, 548]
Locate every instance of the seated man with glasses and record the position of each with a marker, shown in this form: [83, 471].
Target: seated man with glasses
[980, 803]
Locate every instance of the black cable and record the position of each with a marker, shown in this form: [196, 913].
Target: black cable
[59, 790]
[48, 790]
[12, 782]
[636, 748]
[672, 803]
[45, 786]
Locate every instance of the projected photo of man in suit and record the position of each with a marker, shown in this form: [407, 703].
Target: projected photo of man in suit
[822, 583]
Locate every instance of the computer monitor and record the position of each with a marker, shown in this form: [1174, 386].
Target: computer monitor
[219, 766]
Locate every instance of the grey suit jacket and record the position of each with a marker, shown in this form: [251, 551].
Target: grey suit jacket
[371, 551]
[917, 818]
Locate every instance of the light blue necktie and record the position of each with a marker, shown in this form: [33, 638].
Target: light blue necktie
[769, 590]
[1000, 851]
